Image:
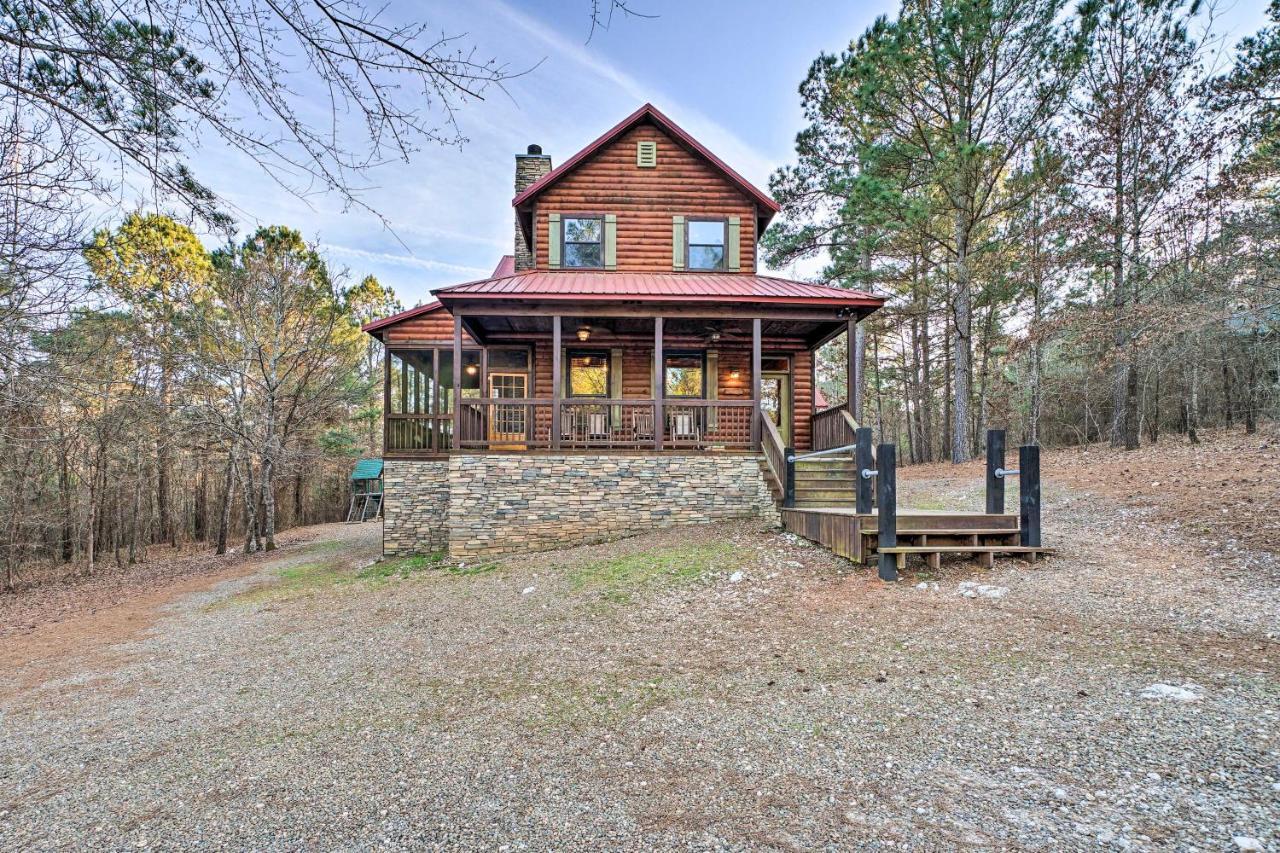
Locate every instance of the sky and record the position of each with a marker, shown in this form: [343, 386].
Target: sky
[728, 72]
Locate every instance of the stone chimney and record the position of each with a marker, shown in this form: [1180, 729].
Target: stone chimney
[529, 167]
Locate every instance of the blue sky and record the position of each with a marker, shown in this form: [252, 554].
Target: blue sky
[727, 72]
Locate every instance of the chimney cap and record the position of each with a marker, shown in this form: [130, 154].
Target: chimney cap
[535, 150]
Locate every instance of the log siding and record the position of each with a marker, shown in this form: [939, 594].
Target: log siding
[645, 200]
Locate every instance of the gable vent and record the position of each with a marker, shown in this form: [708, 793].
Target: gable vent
[646, 154]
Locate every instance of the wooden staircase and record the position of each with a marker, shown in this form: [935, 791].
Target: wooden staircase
[824, 505]
[826, 482]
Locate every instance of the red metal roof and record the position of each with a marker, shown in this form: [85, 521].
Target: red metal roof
[506, 266]
[651, 113]
[659, 287]
[375, 325]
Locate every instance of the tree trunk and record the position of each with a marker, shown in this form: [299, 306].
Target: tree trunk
[250, 507]
[1120, 381]
[1228, 401]
[224, 513]
[1251, 391]
[961, 362]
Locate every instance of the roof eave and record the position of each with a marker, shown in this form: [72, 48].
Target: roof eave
[674, 130]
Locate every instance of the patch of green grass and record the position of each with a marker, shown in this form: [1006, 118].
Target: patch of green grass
[401, 566]
[615, 579]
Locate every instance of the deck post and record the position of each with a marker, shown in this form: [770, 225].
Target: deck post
[557, 381]
[756, 381]
[1029, 495]
[862, 461]
[457, 382]
[995, 462]
[659, 419]
[851, 377]
[887, 498]
[789, 487]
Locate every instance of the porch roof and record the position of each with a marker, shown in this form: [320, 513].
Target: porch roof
[600, 286]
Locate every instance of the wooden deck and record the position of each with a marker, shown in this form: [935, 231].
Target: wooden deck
[928, 533]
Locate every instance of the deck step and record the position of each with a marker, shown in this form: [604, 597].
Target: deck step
[966, 549]
[985, 553]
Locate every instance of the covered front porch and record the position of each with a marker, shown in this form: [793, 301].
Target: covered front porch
[617, 377]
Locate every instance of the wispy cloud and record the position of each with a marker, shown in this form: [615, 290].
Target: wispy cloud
[728, 145]
[402, 260]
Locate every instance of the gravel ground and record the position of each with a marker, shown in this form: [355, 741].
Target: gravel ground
[710, 688]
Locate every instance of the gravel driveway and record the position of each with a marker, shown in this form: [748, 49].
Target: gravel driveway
[710, 688]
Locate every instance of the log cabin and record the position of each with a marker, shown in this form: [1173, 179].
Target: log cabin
[626, 367]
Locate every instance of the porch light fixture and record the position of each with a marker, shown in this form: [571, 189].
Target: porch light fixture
[734, 374]
[472, 370]
[584, 333]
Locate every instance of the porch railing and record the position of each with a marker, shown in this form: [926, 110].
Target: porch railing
[832, 427]
[612, 424]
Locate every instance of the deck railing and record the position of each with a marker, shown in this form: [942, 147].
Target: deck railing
[610, 424]
[832, 428]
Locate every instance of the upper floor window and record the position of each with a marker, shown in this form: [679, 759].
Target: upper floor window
[706, 244]
[583, 241]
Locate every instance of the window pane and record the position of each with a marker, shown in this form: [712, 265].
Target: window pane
[582, 255]
[706, 257]
[446, 382]
[588, 375]
[398, 391]
[470, 373]
[706, 233]
[582, 230]
[508, 359]
[684, 375]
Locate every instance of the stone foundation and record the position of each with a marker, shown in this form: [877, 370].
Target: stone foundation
[415, 506]
[487, 505]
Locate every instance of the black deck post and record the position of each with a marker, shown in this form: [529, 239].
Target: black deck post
[789, 487]
[862, 461]
[995, 462]
[1029, 495]
[886, 492]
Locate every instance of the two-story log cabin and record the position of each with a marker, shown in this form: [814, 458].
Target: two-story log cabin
[627, 367]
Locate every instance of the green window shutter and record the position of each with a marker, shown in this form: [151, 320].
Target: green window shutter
[553, 241]
[734, 239]
[677, 242]
[615, 384]
[610, 241]
[713, 386]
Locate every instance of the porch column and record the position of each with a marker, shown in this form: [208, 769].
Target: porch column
[755, 384]
[851, 378]
[659, 420]
[457, 382]
[556, 380]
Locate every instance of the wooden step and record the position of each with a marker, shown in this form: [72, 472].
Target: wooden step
[986, 553]
[952, 521]
[942, 531]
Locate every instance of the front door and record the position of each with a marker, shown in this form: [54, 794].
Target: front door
[775, 402]
[509, 423]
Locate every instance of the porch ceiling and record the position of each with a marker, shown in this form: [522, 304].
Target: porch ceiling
[490, 328]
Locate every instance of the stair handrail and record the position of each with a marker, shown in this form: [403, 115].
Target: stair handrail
[853, 426]
[774, 450]
[800, 457]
